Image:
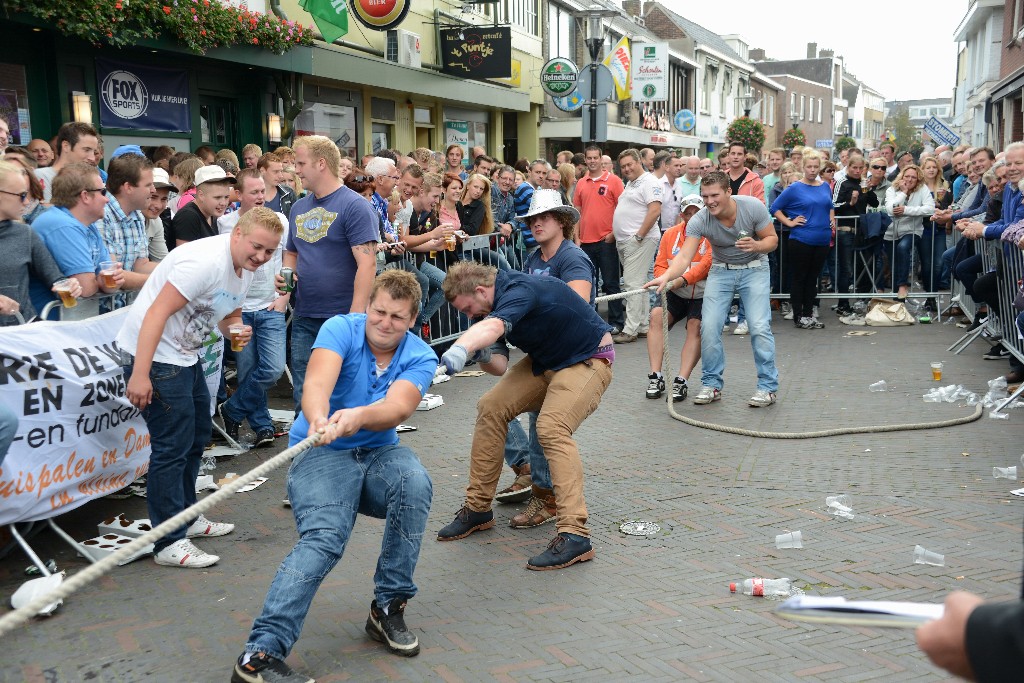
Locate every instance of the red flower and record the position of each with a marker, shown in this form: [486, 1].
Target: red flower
[167, 10]
[117, 5]
[255, 41]
[203, 32]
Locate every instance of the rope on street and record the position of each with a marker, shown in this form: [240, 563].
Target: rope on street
[14, 619]
[739, 431]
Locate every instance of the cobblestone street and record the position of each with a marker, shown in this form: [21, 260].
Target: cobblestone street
[650, 609]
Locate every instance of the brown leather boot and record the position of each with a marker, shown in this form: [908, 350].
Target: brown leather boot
[520, 488]
[540, 509]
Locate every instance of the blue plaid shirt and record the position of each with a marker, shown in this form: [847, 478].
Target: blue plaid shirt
[381, 205]
[124, 234]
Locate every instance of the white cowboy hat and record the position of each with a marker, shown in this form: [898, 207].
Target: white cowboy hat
[545, 201]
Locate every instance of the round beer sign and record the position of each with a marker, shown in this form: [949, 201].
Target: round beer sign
[380, 15]
[558, 77]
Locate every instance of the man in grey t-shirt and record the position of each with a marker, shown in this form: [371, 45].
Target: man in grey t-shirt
[742, 235]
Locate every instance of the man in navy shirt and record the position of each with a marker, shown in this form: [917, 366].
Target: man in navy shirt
[367, 373]
[563, 376]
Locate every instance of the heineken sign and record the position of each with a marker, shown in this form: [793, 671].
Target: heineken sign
[558, 77]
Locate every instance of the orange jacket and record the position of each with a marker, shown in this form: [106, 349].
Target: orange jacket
[671, 243]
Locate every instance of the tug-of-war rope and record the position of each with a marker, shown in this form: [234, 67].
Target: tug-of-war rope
[20, 616]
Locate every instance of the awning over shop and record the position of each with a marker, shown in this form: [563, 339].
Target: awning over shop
[350, 68]
[572, 128]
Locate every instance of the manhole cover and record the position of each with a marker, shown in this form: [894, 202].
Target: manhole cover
[639, 527]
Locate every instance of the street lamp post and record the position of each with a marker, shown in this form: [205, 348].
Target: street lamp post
[594, 17]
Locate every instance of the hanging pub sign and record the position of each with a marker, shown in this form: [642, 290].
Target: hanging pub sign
[477, 51]
[380, 15]
[143, 97]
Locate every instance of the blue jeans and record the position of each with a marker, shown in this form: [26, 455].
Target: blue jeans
[260, 365]
[488, 257]
[431, 303]
[752, 285]
[521, 447]
[945, 279]
[180, 426]
[605, 257]
[845, 243]
[327, 488]
[901, 254]
[304, 331]
[930, 249]
[8, 428]
[967, 271]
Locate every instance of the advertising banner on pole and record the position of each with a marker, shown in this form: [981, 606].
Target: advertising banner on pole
[650, 72]
[618, 60]
[78, 437]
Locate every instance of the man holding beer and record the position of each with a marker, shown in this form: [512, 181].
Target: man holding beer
[68, 230]
[261, 362]
[198, 285]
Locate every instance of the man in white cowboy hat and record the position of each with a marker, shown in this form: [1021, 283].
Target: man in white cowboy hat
[563, 381]
[558, 257]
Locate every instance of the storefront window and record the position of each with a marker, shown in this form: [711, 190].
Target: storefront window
[331, 120]
[382, 136]
[14, 103]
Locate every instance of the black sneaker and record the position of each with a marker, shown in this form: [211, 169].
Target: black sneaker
[656, 385]
[264, 437]
[230, 426]
[466, 522]
[262, 668]
[997, 352]
[390, 629]
[679, 390]
[563, 550]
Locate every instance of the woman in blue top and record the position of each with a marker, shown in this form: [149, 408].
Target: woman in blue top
[805, 207]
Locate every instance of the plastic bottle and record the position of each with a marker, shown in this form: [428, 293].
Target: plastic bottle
[763, 587]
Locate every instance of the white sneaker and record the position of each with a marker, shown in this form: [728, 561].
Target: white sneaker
[184, 554]
[707, 395]
[204, 527]
[742, 328]
[762, 398]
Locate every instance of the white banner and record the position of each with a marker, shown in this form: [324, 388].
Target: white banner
[78, 437]
[650, 72]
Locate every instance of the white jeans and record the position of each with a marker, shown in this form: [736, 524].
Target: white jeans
[636, 259]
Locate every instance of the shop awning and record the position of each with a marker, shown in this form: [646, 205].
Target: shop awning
[355, 69]
[573, 129]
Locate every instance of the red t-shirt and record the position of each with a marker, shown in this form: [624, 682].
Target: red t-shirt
[596, 198]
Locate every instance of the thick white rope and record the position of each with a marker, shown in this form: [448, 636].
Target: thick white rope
[14, 619]
[838, 431]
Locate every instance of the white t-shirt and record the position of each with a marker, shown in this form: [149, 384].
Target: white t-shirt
[46, 176]
[203, 272]
[632, 207]
[262, 292]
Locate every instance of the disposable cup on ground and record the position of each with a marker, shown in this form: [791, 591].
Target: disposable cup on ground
[793, 539]
[937, 371]
[838, 502]
[924, 556]
[879, 386]
[1004, 473]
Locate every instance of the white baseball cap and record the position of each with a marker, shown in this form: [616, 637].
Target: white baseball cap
[211, 174]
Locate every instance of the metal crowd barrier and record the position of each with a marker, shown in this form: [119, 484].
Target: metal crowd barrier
[1008, 284]
[871, 263]
[447, 323]
[989, 252]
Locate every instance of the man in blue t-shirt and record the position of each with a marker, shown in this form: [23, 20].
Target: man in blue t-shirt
[523, 195]
[367, 373]
[332, 247]
[563, 376]
[68, 230]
